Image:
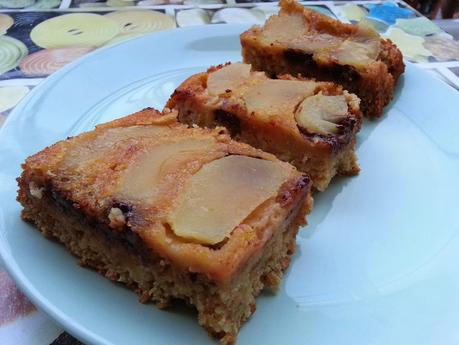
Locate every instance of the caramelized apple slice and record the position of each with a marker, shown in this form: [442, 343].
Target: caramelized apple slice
[97, 146]
[366, 31]
[315, 42]
[283, 29]
[228, 78]
[320, 114]
[357, 54]
[141, 180]
[222, 194]
[277, 96]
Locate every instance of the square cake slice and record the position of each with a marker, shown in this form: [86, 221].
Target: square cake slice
[310, 124]
[299, 41]
[172, 212]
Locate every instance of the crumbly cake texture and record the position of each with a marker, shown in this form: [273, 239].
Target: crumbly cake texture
[116, 198]
[299, 41]
[310, 124]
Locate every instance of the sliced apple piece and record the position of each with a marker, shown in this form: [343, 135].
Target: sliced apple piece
[357, 53]
[315, 42]
[142, 179]
[320, 114]
[99, 145]
[365, 30]
[277, 96]
[284, 28]
[228, 78]
[222, 194]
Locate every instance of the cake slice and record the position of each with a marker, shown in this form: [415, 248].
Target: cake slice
[299, 41]
[309, 124]
[172, 212]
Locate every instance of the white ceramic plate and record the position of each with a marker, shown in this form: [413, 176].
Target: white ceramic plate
[376, 265]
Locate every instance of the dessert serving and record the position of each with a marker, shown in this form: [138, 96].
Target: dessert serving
[309, 124]
[202, 202]
[172, 212]
[299, 41]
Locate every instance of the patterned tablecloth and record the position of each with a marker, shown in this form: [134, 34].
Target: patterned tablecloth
[37, 37]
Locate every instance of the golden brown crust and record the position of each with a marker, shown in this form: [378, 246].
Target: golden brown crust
[391, 56]
[374, 84]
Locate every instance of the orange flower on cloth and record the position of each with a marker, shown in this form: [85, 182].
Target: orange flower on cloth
[47, 61]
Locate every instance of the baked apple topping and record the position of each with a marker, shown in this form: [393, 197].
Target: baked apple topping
[284, 28]
[276, 96]
[321, 114]
[315, 42]
[228, 77]
[222, 194]
[357, 53]
[293, 32]
[140, 180]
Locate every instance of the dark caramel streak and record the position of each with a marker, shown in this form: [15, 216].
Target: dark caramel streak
[127, 237]
[291, 192]
[308, 67]
[228, 120]
[346, 129]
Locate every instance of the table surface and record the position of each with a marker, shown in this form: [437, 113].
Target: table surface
[40, 50]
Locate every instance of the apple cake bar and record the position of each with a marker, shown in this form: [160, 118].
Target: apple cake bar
[299, 41]
[310, 124]
[172, 212]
